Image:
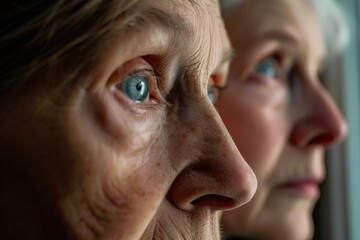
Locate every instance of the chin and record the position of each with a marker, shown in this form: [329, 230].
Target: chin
[285, 221]
[295, 232]
[298, 226]
[289, 217]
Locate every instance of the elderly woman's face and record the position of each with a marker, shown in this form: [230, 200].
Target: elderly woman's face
[137, 149]
[279, 115]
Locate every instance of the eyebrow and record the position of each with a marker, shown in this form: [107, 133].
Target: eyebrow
[283, 36]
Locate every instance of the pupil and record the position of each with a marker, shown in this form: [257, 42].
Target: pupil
[139, 86]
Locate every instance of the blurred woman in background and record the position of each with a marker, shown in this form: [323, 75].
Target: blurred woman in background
[278, 112]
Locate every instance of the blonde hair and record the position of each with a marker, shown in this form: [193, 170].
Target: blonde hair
[55, 41]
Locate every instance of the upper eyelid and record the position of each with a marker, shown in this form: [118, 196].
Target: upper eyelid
[150, 71]
[270, 57]
[282, 55]
[219, 79]
[140, 71]
[221, 88]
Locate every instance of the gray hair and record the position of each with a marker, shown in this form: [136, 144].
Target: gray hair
[331, 19]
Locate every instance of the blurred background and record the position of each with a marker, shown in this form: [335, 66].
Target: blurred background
[337, 215]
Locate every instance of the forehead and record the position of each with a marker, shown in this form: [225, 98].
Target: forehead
[259, 15]
[272, 10]
[192, 17]
[196, 29]
[256, 18]
[192, 13]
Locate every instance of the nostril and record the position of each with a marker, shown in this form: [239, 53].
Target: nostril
[322, 139]
[215, 201]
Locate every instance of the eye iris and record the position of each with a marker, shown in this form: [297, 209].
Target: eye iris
[211, 96]
[136, 88]
[267, 68]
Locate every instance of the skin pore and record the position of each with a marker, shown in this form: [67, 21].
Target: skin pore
[109, 160]
[279, 115]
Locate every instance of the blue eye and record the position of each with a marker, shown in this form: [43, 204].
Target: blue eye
[136, 88]
[211, 95]
[267, 67]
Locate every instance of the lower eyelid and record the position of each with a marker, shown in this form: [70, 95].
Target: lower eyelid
[260, 78]
[136, 107]
[153, 102]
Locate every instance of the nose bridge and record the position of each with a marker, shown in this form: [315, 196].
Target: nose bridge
[321, 122]
[233, 175]
[218, 177]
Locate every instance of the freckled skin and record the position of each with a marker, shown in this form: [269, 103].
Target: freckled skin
[96, 165]
[276, 129]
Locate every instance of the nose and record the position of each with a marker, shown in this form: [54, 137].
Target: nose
[217, 177]
[320, 122]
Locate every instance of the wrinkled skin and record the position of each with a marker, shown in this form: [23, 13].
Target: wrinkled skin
[281, 124]
[95, 164]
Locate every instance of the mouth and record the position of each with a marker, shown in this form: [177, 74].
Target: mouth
[308, 188]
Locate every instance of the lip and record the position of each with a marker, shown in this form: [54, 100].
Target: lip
[308, 188]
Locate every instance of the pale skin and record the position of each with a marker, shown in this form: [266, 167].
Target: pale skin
[98, 165]
[281, 122]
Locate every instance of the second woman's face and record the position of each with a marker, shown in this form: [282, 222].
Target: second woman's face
[279, 115]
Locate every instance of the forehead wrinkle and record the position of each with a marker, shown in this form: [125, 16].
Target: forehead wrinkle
[193, 65]
[156, 17]
[179, 27]
[206, 56]
[176, 26]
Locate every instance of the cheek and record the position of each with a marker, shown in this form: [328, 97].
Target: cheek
[121, 163]
[129, 143]
[129, 130]
[258, 130]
